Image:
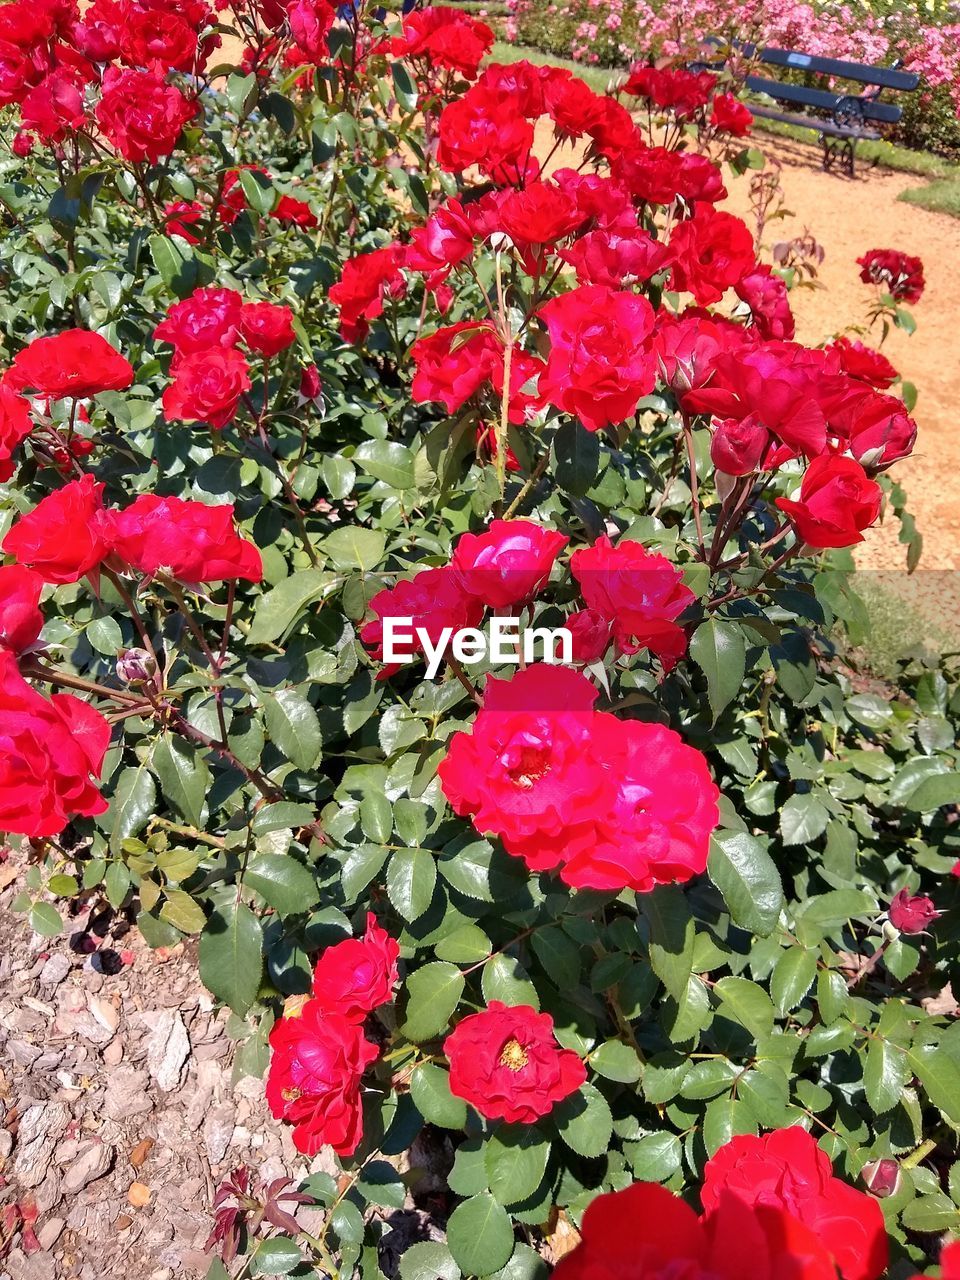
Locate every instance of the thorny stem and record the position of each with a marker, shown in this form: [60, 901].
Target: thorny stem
[528, 484]
[694, 484]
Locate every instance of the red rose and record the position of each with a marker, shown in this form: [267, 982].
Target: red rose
[310, 21]
[180, 215]
[311, 388]
[433, 600]
[673, 89]
[730, 115]
[509, 563]
[738, 445]
[294, 212]
[54, 108]
[877, 427]
[153, 38]
[787, 1169]
[189, 541]
[99, 35]
[651, 174]
[356, 976]
[208, 318]
[600, 362]
[711, 252]
[527, 772]
[314, 1078]
[687, 346]
[65, 535]
[912, 914]
[141, 115]
[838, 500]
[267, 328]
[74, 363]
[765, 293]
[455, 363]
[444, 240]
[698, 179]
[364, 283]
[640, 593]
[664, 812]
[540, 214]
[445, 39]
[616, 260]
[20, 619]
[505, 1061]
[484, 129]
[207, 387]
[645, 1232]
[15, 421]
[897, 273]
[50, 750]
[864, 363]
[590, 633]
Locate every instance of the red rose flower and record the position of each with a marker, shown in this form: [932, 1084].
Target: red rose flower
[590, 633]
[74, 363]
[20, 619]
[912, 914]
[877, 428]
[99, 35]
[673, 89]
[652, 175]
[739, 445]
[765, 293]
[616, 260]
[153, 38]
[180, 215]
[864, 363]
[314, 1078]
[15, 422]
[787, 1169]
[897, 273]
[140, 115]
[664, 812]
[712, 251]
[189, 541]
[445, 39]
[433, 600]
[208, 318]
[207, 387]
[539, 214]
[50, 752]
[527, 772]
[600, 362]
[640, 593]
[730, 115]
[509, 563]
[293, 212]
[356, 976]
[645, 1232]
[267, 328]
[698, 179]
[444, 240]
[687, 347]
[838, 500]
[310, 22]
[65, 535]
[484, 129]
[505, 1061]
[54, 108]
[364, 283]
[455, 363]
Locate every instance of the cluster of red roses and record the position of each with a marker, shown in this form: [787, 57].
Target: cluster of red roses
[189, 218]
[442, 45]
[898, 274]
[686, 94]
[650, 216]
[773, 1210]
[210, 373]
[319, 1048]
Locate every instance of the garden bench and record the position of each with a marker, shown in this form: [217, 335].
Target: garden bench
[841, 118]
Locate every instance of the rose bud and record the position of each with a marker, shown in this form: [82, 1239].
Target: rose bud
[882, 1177]
[311, 388]
[136, 666]
[738, 445]
[591, 633]
[912, 914]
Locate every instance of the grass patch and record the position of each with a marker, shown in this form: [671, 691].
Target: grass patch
[940, 196]
[902, 622]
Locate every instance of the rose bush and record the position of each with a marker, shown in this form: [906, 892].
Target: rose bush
[299, 347]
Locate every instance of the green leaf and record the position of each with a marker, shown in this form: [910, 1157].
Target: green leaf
[293, 726]
[284, 815]
[433, 993]
[747, 1003]
[116, 882]
[231, 956]
[405, 92]
[411, 879]
[387, 461]
[617, 1061]
[515, 1157]
[939, 1073]
[792, 977]
[576, 457]
[504, 978]
[719, 651]
[428, 1260]
[45, 919]
[183, 912]
[284, 883]
[886, 1074]
[802, 819]
[932, 1214]
[656, 1157]
[465, 945]
[723, 1119]
[430, 1090]
[134, 803]
[241, 92]
[526, 1264]
[672, 937]
[353, 547]
[276, 1257]
[278, 610]
[259, 191]
[376, 818]
[934, 792]
[748, 878]
[184, 776]
[584, 1121]
[559, 955]
[480, 1235]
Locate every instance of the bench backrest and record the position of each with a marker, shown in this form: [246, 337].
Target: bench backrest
[883, 77]
[824, 99]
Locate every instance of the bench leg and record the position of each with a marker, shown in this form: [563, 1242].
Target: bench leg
[850, 146]
[836, 150]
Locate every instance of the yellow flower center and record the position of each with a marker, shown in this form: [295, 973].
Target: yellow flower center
[514, 1055]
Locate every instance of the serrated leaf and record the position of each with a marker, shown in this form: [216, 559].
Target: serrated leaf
[278, 610]
[584, 1121]
[411, 880]
[480, 1235]
[802, 819]
[792, 977]
[284, 883]
[293, 726]
[184, 776]
[430, 1090]
[433, 993]
[748, 878]
[886, 1072]
[515, 1157]
[719, 651]
[134, 802]
[231, 956]
[354, 547]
